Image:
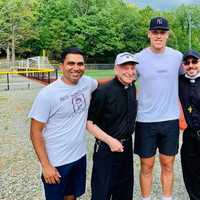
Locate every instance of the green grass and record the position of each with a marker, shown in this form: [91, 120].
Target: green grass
[99, 74]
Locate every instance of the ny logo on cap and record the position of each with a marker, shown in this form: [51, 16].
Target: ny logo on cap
[159, 21]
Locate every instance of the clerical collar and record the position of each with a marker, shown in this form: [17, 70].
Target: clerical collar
[127, 86]
[192, 77]
[122, 85]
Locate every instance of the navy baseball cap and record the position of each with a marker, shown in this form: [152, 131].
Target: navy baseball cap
[191, 53]
[158, 23]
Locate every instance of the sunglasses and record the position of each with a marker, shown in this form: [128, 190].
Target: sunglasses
[187, 62]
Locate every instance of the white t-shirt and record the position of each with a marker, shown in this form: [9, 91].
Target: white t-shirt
[158, 85]
[64, 108]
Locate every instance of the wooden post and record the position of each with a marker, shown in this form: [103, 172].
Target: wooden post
[8, 83]
[48, 77]
[56, 73]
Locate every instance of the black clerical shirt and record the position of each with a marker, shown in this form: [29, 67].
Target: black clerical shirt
[113, 108]
[189, 94]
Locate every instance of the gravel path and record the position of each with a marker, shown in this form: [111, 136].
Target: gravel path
[19, 169]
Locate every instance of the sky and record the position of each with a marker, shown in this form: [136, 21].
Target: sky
[163, 4]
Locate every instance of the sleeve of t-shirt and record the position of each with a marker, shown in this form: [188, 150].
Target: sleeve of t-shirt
[94, 84]
[181, 70]
[137, 55]
[40, 110]
[96, 105]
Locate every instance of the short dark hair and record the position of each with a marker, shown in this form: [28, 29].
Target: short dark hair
[73, 50]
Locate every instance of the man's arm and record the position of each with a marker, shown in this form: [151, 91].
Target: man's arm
[50, 173]
[113, 143]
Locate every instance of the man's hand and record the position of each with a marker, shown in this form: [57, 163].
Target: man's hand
[51, 174]
[115, 145]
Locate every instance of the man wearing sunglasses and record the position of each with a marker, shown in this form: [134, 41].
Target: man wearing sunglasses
[189, 92]
[157, 124]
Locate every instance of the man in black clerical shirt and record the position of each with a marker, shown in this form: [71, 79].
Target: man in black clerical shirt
[189, 93]
[111, 119]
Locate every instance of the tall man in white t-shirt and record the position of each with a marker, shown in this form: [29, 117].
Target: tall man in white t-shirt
[58, 122]
[158, 110]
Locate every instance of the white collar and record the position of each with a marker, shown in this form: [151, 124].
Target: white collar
[192, 77]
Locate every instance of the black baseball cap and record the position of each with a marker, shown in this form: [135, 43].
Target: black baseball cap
[158, 23]
[191, 53]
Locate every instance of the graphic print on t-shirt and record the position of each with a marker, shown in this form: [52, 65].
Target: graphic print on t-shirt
[79, 103]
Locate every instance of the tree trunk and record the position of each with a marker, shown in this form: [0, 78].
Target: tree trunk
[8, 56]
[13, 46]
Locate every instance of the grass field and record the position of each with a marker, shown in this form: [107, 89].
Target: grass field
[99, 74]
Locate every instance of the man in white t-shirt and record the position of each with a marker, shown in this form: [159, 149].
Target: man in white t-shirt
[58, 122]
[158, 109]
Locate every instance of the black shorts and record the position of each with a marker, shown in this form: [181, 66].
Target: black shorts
[162, 135]
[72, 181]
[112, 173]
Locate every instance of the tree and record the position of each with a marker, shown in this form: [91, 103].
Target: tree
[181, 26]
[52, 19]
[101, 28]
[17, 17]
